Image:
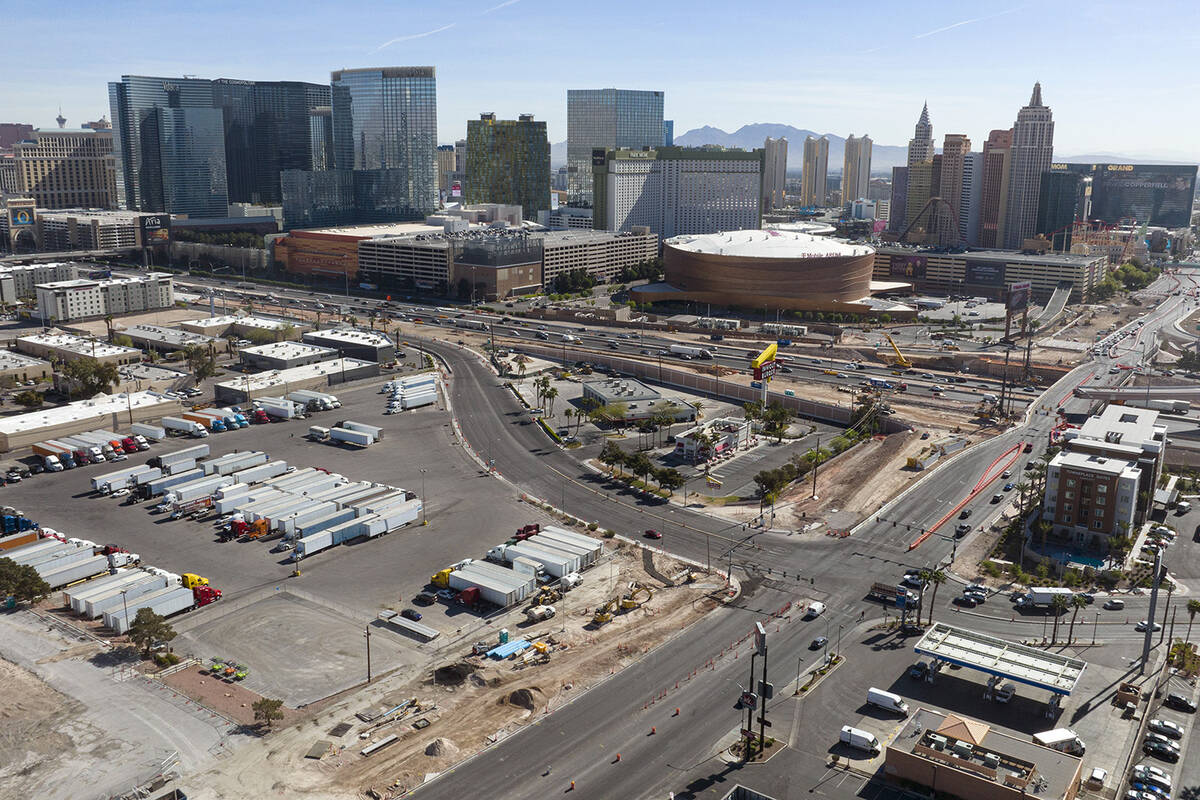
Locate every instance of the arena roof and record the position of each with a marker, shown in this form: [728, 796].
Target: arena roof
[767, 244]
[813, 228]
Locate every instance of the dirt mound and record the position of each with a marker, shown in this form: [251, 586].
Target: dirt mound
[526, 698]
[441, 747]
[486, 678]
[453, 674]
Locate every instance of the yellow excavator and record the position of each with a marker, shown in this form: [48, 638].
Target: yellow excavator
[901, 360]
[546, 596]
[605, 612]
[639, 594]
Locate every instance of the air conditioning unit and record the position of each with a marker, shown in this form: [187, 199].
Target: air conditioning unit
[937, 742]
[991, 760]
[963, 749]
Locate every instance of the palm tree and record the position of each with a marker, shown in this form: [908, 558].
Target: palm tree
[1044, 527]
[937, 578]
[1057, 607]
[1022, 488]
[1077, 603]
[1193, 608]
[549, 395]
[108, 323]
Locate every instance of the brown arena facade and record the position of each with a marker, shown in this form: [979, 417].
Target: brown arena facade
[773, 269]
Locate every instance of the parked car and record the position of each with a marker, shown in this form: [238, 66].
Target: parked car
[1167, 741]
[1167, 728]
[410, 613]
[967, 600]
[1180, 703]
[1161, 750]
[425, 598]
[1005, 693]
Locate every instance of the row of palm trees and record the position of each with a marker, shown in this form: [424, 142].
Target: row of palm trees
[639, 464]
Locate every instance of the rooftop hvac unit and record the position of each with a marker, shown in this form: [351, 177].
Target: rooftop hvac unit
[963, 749]
[937, 742]
[991, 760]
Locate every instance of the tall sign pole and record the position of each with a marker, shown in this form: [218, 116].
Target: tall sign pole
[764, 688]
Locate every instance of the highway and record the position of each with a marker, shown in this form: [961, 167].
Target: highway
[581, 741]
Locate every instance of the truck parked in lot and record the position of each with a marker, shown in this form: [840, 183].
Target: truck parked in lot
[888, 701]
[859, 740]
[317, 433]
[690, 351]
[184, 427]
[362, 427]
[142, 431]
[357, 438]
[1063, 740]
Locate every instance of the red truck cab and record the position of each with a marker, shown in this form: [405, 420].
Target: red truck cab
[204, 595]
[129, 444]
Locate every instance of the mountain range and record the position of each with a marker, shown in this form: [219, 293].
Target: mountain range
[883, 156]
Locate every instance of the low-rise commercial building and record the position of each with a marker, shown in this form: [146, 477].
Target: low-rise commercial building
[282, 382]
[632, 400]
[170, 340]
[82, 229]
[145, 377]
[232, 324]
[81, 298]
[1101, 484]
[988, 273]
[285, 355]
[66, 347]
[19, 368]
[109, 412]
[367, 345]
[958, 757]
[731, 434]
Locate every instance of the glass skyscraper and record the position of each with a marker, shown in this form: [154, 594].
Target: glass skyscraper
[509, 162]
[607, 119]
[171, 157]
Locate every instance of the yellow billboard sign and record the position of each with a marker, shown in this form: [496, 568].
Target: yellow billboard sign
[766, 355]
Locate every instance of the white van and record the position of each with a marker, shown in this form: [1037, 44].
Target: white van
[860, 740]
[888, 701]
[816, 609]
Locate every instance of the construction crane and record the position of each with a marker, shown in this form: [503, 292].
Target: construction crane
[901, 361]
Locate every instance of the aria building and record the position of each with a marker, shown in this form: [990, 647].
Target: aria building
[606, 119]
[509, 163]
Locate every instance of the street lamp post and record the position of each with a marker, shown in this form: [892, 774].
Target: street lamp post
[838, 651]
[423, 471]
[125, 607]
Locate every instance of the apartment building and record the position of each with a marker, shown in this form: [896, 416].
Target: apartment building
[81, 298]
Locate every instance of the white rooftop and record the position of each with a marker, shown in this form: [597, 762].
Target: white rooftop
[158, 333]
[102, 406]
[283, 377]
[1028, 665]
[377, 230]
[77, 344]
[813, 228]
[1125, 425]
[353, 336]
[13, 360]
[767, 244]
[288, 350]
[1093, 463]
[266, 323]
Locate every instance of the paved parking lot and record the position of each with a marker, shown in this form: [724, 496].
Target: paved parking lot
[468, 512]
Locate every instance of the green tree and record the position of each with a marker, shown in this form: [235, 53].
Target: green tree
[549, 396]
[669, 478]
[29, 399]
[90, 377]
[936, 578]
[121, 340]
[1193, 608]
[201, 360]
[616, 413]
[753, 409]
[259, 336]
[1057, 607]
[641, 466]
[267, 710]
[775, 421]
[612, 456]
[1077, 603]
[21, 582]
[148, 628]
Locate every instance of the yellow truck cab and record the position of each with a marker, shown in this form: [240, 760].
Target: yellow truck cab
[192, 580]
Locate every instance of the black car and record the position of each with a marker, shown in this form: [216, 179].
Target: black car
[1160, 750]
[962, 530]
[965, 513]
[818, 643]
[425, 598]
[409, 613]
[1180, 703]
[967, 600]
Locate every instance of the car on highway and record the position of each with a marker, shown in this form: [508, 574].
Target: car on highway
[1180, 702]
[927, 376]
[651, 534]
[1113, 604]
[965, 514]
[977, 596]
[818, 643]
[998, 497]
[938, 388]
[1008, 487]
[1166, 727]
[1087, 597]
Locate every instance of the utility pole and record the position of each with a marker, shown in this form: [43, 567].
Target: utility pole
[764, 689]
[1158, 570]
[368, 628]
[816, 463]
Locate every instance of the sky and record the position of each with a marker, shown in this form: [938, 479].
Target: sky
[1119, 77]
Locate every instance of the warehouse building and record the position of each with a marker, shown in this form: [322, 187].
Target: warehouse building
[107, 412]
[234, 325]
[634, 399]
[988, 273]
[282, 382]
[18, 368]
[285, 355]
[367, 345]
[145, 377]
[170, 340]
[66, 347]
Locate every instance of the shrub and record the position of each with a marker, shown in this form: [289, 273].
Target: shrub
[592, 526]
[608, 534]
[991, 569]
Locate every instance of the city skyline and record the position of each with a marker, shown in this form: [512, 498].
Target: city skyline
[519, 39]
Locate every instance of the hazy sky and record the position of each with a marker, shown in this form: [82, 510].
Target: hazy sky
[1118, 76]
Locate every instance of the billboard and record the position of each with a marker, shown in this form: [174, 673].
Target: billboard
[912, 267]
[20, 215]
[987, 273]
[156, 229]
[1019, 295]
[599, 157]
[1155, 194]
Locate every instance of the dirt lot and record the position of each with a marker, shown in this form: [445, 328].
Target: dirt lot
[30, 713]
[229, 699]
[469, 701]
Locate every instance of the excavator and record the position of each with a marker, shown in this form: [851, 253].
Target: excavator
[605, 612]
[639, 594]
[901, 360]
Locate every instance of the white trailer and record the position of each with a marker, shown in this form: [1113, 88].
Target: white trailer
[20, 554]
[497, 590]
[556, 562]
[300, 473]
[95, 606]
[526, 584]
[78, 571]
[232, 462]
[194, 452]
[185, 426]
[357, 438]
[292, 522]
[687, 350]
[277, 406]
[327, 520]
[256, 494]
[155, 433]
[60, 559]
[157, 487]
[260, 473]
[362, 427]
[165, 602]
[118, 479]
[153, 474]
[199, 489]
[74, 597]
[392, 519]
[587, 555]
[418, 399]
